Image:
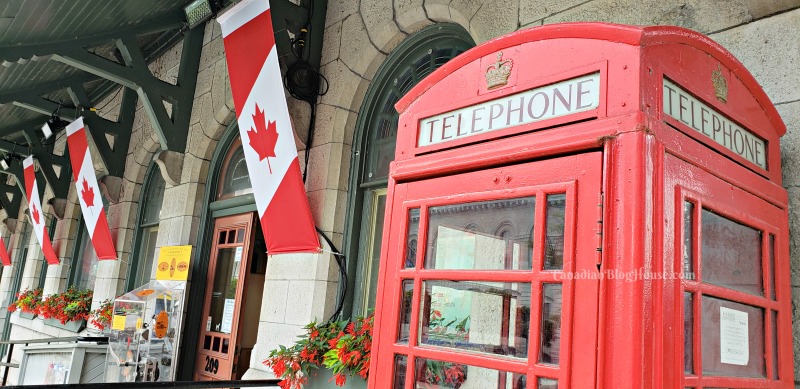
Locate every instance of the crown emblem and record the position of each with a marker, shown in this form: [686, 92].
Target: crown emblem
[720, 85]
[498, 72]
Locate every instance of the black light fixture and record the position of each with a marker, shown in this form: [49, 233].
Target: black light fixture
[8, 157]
[54, 123]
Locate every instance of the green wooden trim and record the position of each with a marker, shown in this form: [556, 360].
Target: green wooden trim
[200, 257]
[134, 259]
[233, 205]
[436, 35]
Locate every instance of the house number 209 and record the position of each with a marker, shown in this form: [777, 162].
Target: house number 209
[212, 365]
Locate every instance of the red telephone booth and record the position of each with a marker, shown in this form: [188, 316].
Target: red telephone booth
[586, 205]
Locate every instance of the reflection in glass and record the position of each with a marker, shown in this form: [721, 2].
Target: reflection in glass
[400, 362]
[369, 277]
[405, 311]
[771, 264]
[554, 237]
[223, 294]
[688, 331]
[688, 223]
[551, 324]
[458, 375]
[411, 237]
[774, 331]
[487, 317]
[547, 383]
[483, 235]
[733, 338]
[731, 254]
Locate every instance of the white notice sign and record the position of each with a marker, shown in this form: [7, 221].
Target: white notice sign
[734, 345]
[546, 102]
[227, 316]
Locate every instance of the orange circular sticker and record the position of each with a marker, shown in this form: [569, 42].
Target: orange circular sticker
[183, 266]
[162, 324]
[145, 292]
[163, 266]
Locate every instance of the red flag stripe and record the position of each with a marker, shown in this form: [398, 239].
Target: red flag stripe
[4, 257]
[293, 215]
[78, 147]
[47, 248]
[246, 50]
[102, 241]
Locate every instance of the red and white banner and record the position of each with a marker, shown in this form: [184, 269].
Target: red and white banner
[35, 209]
[266, 129]
[4, 257]
[94, 217]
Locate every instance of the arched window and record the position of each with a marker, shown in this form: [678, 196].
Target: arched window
[374, 145]
[235, 178]
[144, 251]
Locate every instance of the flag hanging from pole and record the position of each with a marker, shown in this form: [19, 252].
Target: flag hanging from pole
[266, 128]
[35, 209]
[4, 257]
[94, 217]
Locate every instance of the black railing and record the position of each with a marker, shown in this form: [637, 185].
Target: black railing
[7, 365]
[170, 384]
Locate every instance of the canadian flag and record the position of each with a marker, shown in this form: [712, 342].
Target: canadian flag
[266, 129]
[4, 257]
[94, 217]
[35, 208]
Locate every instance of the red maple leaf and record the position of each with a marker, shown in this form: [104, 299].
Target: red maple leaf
[87, 193]
[35, 215]
[264, 137]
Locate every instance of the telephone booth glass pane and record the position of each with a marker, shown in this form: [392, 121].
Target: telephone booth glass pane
[774, 335]
[551, 324]
[547, 383]
[771, 253]
[733, 339]
[688, 333]
[487, 317]
[439, 374]
[405, 312]
[554, 240]
[731, 254]
[486, 235]
[688, 238]
[400, 362]
[412, 237]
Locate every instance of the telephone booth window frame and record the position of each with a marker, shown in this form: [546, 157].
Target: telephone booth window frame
[374, 145]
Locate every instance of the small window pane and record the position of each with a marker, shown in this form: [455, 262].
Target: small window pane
[688, 333]
[412, 237]
[147, 254]
[485, 235]
[547, 383]
[688, 238]
[405, 311]
[487, 317]
[87, 262]
[775, 353]
[551, 324]
[222, 237]
[235, 176]
[458, 375]
[554, 239]
[373, 257]
[731, 254]
[733, 339]
[771, 252]
[400, 362]
[240, 235]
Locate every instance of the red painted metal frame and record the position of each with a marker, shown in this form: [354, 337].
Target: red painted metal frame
[650, 163]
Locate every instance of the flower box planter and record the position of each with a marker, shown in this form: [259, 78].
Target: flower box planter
[73, 326]
[27, 315]
[322, 379]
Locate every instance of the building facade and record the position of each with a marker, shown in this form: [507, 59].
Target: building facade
[373, 52]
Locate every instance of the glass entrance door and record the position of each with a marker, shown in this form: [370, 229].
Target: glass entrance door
[489, 279]
[733, 304]
[218, 347]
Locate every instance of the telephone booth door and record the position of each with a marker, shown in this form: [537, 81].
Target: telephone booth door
[727, 246]
[494, 282]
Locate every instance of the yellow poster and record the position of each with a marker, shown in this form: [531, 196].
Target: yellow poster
[173, 263]
[118, 322]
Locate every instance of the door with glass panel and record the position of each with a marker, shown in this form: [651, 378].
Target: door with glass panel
[218, 343]
[489, 279]
[733, 305]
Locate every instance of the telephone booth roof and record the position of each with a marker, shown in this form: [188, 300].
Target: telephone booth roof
[635, 67]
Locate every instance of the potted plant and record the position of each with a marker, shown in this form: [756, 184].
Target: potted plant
[28, 302]
[101, 317]
[68, 310]
[343, 347]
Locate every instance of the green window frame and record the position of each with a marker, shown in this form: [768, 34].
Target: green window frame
[374, 145]
[151, 201]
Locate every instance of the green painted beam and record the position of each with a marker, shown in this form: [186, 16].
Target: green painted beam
[10, 96]
[168, 22]
[43, 106]
[59, 182]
